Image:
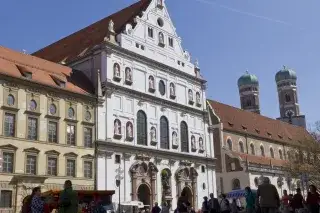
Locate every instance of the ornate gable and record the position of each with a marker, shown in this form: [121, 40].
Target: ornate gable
[8, 147]
[32, 150]
[52, 152]
[71, 154]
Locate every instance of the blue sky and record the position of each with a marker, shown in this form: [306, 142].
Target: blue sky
[227, 36]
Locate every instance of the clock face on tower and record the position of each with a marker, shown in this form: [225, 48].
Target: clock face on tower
[289, 113]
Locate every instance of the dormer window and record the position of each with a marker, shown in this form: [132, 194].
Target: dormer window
[62, 84]
[170, 42]
[59, 82]
[150, 32]
[27, 75]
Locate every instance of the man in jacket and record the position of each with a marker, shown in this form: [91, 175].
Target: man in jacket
[267, 197]
[68, 200]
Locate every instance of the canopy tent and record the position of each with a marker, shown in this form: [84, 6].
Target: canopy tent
[238, 193]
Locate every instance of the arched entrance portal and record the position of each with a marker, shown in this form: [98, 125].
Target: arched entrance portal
[144, 194]
[188, 193]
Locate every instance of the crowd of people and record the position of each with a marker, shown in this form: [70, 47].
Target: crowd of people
[266, 200]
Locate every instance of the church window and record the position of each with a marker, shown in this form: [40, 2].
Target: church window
[252, 150]
[164, 133]
[184, 137]
[150, 32]
[280, 154]
[248, 102]
[229, 143]
[142, 128]
[262, 151]
[287, 98]
[271, 152]
[236, 184]
[162, 87]
[241, 148]
[170, 42]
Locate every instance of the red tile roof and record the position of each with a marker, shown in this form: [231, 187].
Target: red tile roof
[79, 43]
[44, 72]
[238, 120]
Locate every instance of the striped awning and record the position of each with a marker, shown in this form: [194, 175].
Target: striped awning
[238, 193]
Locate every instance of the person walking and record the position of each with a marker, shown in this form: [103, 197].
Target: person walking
[214, 206]
[234, 206]
[205, 205]
[68, 199]
[37, 204]
[250, 200]
[224, 204]
[313, 199]
[156, 208]
[297, 201]
[267, 197]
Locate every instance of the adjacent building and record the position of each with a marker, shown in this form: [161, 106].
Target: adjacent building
[47, 127]
[154, 134]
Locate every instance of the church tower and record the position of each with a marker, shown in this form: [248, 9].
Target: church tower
[249, 92]
[286, 80]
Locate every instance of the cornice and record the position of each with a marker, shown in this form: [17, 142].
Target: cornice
[110, 88]
[112, 48]
[107, 145]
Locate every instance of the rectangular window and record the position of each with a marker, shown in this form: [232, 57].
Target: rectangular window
[52, 166]
[71, 134]
[150, 32]
[71, 168]
[7, 164]
[32, 128]
[5, 199]
[31, 165]
[87, 137]
[117, 159]
[170, 42]
[87, 169]
[9, 124]
[53, 132]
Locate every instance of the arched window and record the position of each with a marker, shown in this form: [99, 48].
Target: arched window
[271, 152]
[241, 148]
[164, 133]
[229, 143]
[142, 132]
[280, 154]
[252, 151]
[262, 151]
[236, 184]
[184, 137]
[287, 97]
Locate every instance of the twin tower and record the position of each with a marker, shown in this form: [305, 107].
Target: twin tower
[286, 79]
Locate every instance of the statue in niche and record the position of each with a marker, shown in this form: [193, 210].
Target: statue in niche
[174, 138]
[129, 130]
[172, 90]
[198, 98]
[151, 82]
[117, 127]
[128, 74]
[190, 95]
[165, 180]
[116, 70]
[153, 134]
[161, 38]
[201, 147]
[193, 142]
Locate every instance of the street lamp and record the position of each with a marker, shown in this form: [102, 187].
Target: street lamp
[119, 177]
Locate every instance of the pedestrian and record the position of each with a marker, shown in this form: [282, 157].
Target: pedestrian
[156, 208]
[183, 203]
[37, 204]
[224, 204]
[297, 201]
[285, 201]
[250, 200]
[267, 199]
[205, 205]
[68, 199]
[165, 208]
[313, 199]
[234, 207]
[214, 206]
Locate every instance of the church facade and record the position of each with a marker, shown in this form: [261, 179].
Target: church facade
[154, 137]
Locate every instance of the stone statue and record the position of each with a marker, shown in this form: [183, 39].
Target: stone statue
[116, 70]
[190, 95]
[196, 63]
[198, 98]
[117, 127]
[129, 130]
[111, 26]
[201, 144]
[153, 134]
[159, 2]
[174, 138]
[172, 91]
[161, 38]
[128, 74]
[193, 142]
[151, 82]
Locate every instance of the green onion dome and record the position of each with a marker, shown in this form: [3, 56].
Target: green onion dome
[285, 74]
[248, 79]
